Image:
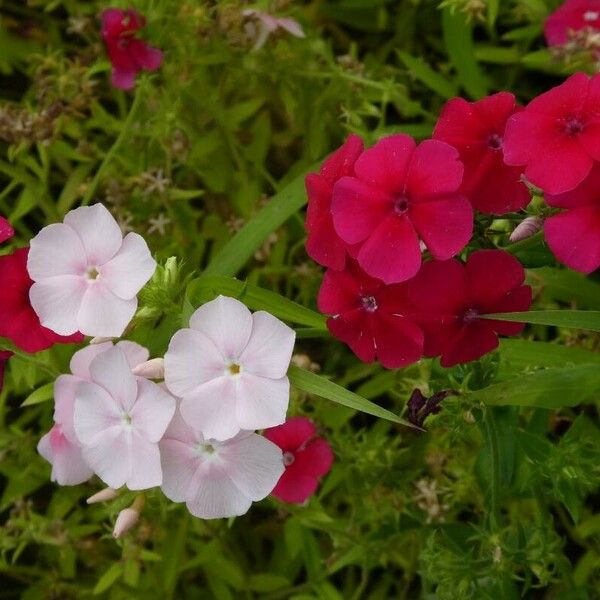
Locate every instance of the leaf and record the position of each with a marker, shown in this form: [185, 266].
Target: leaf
[108, 579]
[319, 386]
[566, 286]
[267, 582]
[42, 394]
[206, 288]
[549, 388]
[425, 74]
[578, 319]
[526, 353]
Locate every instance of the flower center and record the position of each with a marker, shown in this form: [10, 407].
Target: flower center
[470, 315]
[92, 273]
[494, 142]
[400, 205]
[288, 458]
[573, 127]
[126, 420]
[591, 15]
[234, 369]
[369, 303]
[205, 449]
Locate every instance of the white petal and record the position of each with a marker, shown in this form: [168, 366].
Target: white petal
[56, 250]
[179, 430]
[179, 463]
[65, 391]
[57, 300]
[227, 322]
[210, 409]
[103, 313]
[68, 466]
[216, 496]
[98, 231]
[135, 353]
[146, 471]
[254, 464]
[108, 454]
[153, 410]
[191, 360]
[95, 411]
[261, 402]
[270, 347]
[130, 269]
[112, 371]
[82, 359]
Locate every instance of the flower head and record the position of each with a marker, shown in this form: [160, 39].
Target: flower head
[6, 230]
[217, 479]
[230, 369]
[261, 25]
[572, 16]
[119, 419]
[574, 234]
[86, 274]
[476, 130]
[128, 54]
[369, 316]
[323, 244]
[557, 136]
[401, 193]
[449, 298]
[306, 457]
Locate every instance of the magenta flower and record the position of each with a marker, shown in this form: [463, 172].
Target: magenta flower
[574, 235]
[557, 136]
[401, 193]
[6, 230]
[306, 457]
[128, 54]
[572, 16]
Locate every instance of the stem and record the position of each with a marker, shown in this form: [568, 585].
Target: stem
[492, 438]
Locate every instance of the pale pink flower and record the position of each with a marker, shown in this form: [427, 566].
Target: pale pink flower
[86, 274]
[119, 419]
[261, 25]
[230, 369]
[217, 479]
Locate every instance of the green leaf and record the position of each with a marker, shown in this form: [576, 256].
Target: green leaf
[425, 74]
[578, 319]
[564, 285]
[42, 394]
[206, 288]
[523, 354]
[549, 388]
[267, 582]
[108, 579]
[319, 386]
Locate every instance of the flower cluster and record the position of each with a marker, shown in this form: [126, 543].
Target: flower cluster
[572, 18]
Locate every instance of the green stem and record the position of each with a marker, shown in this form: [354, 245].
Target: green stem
[492, 438]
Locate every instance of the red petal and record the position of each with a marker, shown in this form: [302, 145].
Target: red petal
[518, 300]
[399, 341]
[341, 162]
[295, 488]
[471, 343]
[354, 328]
[339, 293]
[585, 194]
[315, 460]
[6, 231]
[145, 56]
[290, 436]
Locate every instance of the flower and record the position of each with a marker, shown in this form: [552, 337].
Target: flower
[449, 298]
[119, 419]
[369, 316]
[400, 193]
[574, 235]
[560, 127]
[230, 369]
[420, 406]
[261, 25]
[323, 244]
[128, 54]
[126, 519]
[86, 274]
[476, 130]
[570, 17]
[305, 456]
[6, 230]
[217, 479]
[18, 320]
[526, 228]
[104, 495]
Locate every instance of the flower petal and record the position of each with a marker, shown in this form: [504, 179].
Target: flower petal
[294, 487]
[398, 340]
[82, 359]
[108, 454]
[94, 412]
[104, 314]
[316, 459]
[434, 169]
[153, 410]
[146, 470]
[261, 402]
[68, 466]
[295, 432]
[471, 343]
[179, 462]
[112, 371]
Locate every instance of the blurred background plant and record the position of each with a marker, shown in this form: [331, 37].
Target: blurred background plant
[189, 158]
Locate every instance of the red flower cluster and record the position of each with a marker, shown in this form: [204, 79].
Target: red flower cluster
[573, 16]
[128, 54]
[307, 458]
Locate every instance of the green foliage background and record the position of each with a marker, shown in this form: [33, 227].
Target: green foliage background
[499, 499]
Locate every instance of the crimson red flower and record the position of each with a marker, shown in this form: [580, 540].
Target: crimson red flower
[574, 235]
[402, 192]
[368, 315]
[557, 136]
[476, 130]
[449, 297]
[128, 54]
[6, 231]
[306, 458]
[18, 321]
[572, 16]
[323, 244]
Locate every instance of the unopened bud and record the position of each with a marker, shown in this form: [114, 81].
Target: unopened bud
[526, 228]
[151, 369]
[104, 495]
[100, 340]
[126, 519]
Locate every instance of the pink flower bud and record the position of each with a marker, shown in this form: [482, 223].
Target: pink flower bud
[100, 340]
[526, 228]
[151, 369]
[126, 519]
[104, 495]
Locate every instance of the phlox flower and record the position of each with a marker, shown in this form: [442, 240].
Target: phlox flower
[401, 193]
[86, 274]
[449, 298]
[476, 130]
[6, 230]
[128, 54]
[323, 244]
[261, 25]
[570, 17]
[369, 316]
[217, 479]
[306, 457]
[230, 369]
[119, 419]
[574, 234]
[557, 136]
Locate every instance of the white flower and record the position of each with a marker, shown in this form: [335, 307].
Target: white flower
[119, 419]
[217, 479]
[86, 274]
[230, 369]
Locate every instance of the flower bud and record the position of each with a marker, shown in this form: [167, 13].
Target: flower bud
[100, 340]
[526, 228]
[104, 495]
[126, 519]
[151, 369]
